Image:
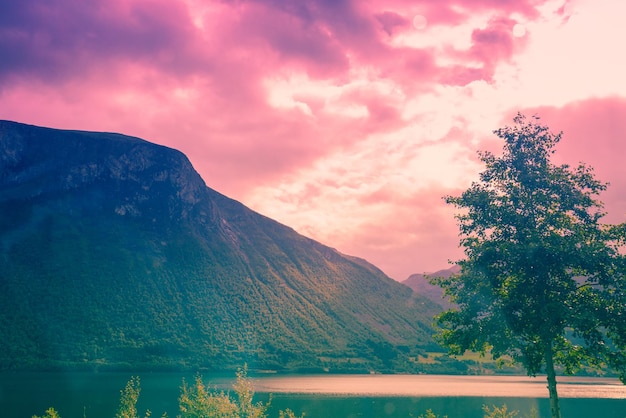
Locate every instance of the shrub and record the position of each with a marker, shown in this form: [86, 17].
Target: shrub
[501, 412]
[50, 413]
[128, 400]
[198, 402]
[430, 414]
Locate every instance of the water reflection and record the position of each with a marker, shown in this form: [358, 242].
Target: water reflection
[432, 385]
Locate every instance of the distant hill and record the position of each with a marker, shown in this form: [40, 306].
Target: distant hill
[421, 285]
[114, 254]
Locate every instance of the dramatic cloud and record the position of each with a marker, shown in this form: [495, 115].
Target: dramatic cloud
[346, 120]
[593, 133]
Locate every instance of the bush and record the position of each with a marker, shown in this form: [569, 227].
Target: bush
[50, 413]
[430, 414]
[128, 400]
[198, 402]
[501, 412]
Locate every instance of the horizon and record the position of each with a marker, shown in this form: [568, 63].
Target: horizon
[347, 121]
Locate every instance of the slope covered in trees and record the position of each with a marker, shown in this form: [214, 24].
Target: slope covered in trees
[115, 254]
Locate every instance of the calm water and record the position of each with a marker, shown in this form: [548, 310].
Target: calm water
[97, 395]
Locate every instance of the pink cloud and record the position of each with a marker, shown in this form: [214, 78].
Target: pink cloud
[196, 79]
[525, 7]
[419, 64]
[459, 75]
[57, 40]
[455, 12]
[419, 235]
[494, 42]
[390, 21]
[294, 38]
[593, 133]
[490, 46]
[239, 44]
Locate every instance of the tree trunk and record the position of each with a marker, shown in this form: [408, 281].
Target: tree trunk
[554, 396]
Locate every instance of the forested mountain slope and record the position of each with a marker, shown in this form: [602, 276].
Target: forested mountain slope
[115, 254]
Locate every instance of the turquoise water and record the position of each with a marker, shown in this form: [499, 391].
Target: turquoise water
[97, 395]
[453, 407]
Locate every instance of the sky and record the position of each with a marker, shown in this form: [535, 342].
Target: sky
[345, 120]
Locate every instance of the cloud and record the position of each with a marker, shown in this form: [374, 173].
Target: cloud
[593, 133]
[414, 236]
[380, 198]
[390, 21]
[342, 119]
[54, 41]
[493, 43]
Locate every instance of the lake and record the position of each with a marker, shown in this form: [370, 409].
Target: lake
[96, 395]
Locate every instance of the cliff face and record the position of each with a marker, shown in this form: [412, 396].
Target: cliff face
[45, 164]
[114, 253]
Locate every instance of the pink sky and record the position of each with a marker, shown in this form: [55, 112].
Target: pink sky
[346, 120]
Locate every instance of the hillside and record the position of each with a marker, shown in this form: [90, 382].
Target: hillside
[421, 285]
[114, 254]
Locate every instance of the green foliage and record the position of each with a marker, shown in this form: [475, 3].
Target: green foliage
[245, 392]
[503, 412]
[543, 280]
[199, 402]
[50, 413]
[128, 399]
[430, 414]
[496, 412]
[499, 412]
[288, 413]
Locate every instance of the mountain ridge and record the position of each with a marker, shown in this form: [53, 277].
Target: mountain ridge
[419, 283]
[115, 254]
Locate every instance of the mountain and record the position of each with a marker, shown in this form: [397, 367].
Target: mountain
[420, 285]
[114, 254]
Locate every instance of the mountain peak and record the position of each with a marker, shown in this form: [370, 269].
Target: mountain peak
[42, 163]
[114, 253]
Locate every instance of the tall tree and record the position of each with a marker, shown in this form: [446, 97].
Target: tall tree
[543, 280]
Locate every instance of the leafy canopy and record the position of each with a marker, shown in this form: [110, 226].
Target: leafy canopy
[541, 274]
